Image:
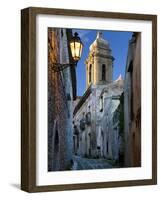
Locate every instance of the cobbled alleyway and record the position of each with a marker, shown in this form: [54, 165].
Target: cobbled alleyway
[80, 163]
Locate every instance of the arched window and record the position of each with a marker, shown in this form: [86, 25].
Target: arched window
[90, 73]
[103, 72]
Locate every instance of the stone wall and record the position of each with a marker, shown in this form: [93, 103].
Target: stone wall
[84, 123]
[60, 101]
[101, 136]
[111, 121]
[136, 103]
[132, 101]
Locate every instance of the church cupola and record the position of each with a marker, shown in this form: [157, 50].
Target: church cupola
[99, 64]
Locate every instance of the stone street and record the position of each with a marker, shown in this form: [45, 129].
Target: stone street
[86, 163]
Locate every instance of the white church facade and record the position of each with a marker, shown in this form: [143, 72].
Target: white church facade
[98, 114]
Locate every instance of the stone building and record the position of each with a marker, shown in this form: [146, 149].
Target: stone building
[96, 115]
[112, 121]
[132, 101]
[61, 93]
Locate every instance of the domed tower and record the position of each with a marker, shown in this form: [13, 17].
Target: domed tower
[99, 64]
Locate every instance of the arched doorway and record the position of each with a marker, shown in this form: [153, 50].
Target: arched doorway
[56, 142]
[56, 146]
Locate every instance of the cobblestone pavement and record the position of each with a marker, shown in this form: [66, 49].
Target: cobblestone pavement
[86, 163]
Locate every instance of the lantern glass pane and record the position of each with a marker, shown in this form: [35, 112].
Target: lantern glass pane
[80, 51]
[76, 50]
[72, 49]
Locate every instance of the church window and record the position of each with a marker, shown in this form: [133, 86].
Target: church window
[90, 73]
[103, 72]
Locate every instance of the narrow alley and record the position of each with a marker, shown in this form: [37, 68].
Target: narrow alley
[88, 163]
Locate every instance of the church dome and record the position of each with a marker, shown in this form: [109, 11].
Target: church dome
[99, 42]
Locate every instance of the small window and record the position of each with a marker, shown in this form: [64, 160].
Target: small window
[101, 103]
[62, 33]
[90, 73]
[103, 72]
[107, 146]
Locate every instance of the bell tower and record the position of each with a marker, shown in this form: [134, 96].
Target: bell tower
[99, 64]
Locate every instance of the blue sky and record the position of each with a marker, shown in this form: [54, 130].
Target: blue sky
[119, 45]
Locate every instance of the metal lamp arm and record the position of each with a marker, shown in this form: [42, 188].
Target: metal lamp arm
[57, 67]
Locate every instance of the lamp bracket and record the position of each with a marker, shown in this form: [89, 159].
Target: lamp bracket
[57, 67]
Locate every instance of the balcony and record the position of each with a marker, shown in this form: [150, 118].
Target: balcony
[82, 124]
[76, 131]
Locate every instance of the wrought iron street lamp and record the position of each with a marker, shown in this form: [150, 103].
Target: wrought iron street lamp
[76, 47]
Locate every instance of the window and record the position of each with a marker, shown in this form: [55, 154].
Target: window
[90, 73]
[101, 103]
[130, 70]
[107, 146]
[103, 72]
